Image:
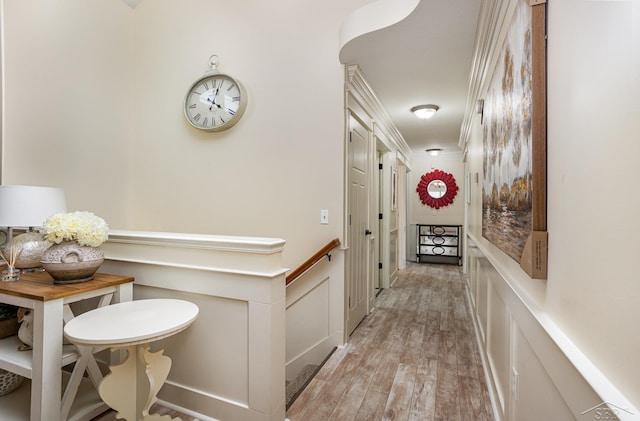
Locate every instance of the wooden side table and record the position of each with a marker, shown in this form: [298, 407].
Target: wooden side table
[50, 304]
[132, 386]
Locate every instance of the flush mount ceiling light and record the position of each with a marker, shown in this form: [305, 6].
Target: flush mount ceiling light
[425, 111]
[433, 151]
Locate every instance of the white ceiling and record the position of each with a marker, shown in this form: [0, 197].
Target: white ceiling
[423, 59]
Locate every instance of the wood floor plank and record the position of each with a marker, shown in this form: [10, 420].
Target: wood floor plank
[350, 402]
[326, 401]
[431, 342]
[472, 406]
[399, 402]
[306, 399]
[384, 375]
[466, 355]
[447, 393]
[413, 347]
[372, 407]
[423, 401]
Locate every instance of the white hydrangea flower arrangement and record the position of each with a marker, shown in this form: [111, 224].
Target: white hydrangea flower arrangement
[84, 227]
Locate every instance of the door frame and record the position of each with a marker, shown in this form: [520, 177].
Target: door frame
[370, 239]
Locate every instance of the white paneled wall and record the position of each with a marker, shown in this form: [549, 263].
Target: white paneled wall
[569, 337]
[313, 316]
[230, 364]
[534, 370]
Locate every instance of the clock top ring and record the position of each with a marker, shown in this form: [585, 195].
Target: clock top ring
[215, 101]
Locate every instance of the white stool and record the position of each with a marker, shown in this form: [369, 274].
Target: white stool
[132, 386]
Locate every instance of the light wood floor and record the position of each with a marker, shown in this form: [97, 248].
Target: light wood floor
[414, 358]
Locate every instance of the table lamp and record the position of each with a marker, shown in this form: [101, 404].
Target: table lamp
[27, 207]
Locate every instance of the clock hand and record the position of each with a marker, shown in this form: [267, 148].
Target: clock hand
[213, 101]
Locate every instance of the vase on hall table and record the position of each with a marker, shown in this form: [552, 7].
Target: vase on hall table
[69, 262]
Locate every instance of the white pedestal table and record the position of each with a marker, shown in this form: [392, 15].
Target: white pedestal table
[132, 386]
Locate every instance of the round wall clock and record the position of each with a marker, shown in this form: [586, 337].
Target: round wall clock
[216, 101]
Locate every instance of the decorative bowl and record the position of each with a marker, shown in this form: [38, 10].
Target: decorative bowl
[69, 273]
[69, 262]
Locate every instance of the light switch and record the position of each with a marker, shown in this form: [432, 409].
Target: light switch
[324, 217]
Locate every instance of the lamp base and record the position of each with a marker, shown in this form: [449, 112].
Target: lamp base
[33, 245]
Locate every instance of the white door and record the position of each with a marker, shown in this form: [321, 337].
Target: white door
[358, 223]
[378, 251]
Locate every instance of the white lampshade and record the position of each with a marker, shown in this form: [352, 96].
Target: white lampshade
[29, 206]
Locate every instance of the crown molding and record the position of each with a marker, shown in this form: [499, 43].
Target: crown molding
[493, 24]
[364, 94]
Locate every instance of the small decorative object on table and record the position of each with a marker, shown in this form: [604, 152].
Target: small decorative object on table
[11, 273]
[75, 255]
[32, 245]
[8, 320]
[25, 332]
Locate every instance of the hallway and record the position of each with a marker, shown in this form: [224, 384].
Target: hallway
[415, 357]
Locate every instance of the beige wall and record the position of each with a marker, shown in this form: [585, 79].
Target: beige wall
[121, 127]
[420, 213]
[67, 101]
[592, 288]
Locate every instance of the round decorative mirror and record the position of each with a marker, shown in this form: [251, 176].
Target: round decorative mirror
[437, 189]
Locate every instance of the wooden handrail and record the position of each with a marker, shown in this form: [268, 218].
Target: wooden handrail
[324, 251]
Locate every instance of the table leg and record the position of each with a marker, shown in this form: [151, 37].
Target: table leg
[47, 356]
[132, 386]
[86, 362]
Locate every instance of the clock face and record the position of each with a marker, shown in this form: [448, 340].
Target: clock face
[215, 102]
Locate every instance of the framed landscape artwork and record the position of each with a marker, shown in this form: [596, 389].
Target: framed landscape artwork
[514, 141]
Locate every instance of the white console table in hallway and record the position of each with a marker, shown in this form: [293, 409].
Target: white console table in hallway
[132, 386]
[50, 304]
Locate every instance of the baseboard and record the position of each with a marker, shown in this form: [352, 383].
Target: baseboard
[201, 403]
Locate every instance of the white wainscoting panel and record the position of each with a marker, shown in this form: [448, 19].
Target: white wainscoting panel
[533, 370]
[481, 299]
[314, 315]
[498, 344]
[537, 396]
[230, 364]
